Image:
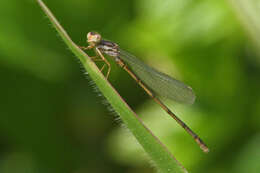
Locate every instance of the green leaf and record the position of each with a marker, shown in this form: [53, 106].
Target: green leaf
[162, 158]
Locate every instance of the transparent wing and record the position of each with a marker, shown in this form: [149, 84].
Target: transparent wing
[160, 83]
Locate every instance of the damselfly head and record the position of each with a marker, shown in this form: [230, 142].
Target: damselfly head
[93, 38]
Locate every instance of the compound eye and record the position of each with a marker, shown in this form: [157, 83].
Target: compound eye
[89, 35]
[98, 37]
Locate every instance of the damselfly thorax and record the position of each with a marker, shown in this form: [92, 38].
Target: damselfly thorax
[109, 48]
[112, 50]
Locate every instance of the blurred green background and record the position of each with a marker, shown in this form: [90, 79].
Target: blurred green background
[51, 120]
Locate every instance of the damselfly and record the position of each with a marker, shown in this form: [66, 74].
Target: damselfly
[151, 80]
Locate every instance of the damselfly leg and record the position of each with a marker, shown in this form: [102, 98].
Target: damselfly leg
[100, 57]
[105, 60]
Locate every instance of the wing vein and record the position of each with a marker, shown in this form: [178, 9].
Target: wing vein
[162, 84]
